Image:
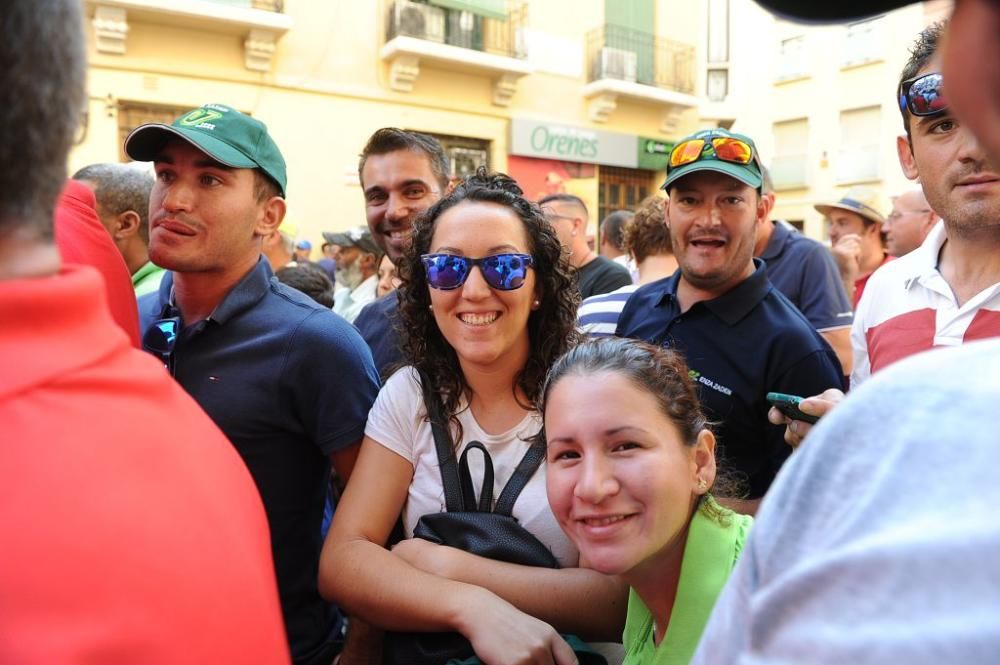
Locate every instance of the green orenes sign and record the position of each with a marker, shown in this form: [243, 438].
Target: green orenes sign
[654, 154]
[530, 138]
[571, 147]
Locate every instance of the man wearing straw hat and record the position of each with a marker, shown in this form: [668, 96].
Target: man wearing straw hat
[857, 237]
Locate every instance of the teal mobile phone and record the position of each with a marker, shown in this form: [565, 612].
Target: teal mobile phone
[789, 405]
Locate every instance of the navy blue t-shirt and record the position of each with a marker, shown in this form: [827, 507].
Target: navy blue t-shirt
[806, 273]
[288, 382]
[378, 324]
[738, 347]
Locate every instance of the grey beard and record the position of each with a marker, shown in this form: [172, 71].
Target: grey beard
[350, 276]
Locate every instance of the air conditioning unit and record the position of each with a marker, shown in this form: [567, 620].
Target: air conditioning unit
[616, 63]
[422, 21]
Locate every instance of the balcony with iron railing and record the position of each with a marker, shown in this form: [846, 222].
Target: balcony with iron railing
[500, 34]
[621, 61]
[260, 23]
[481, 36]
[617, 52]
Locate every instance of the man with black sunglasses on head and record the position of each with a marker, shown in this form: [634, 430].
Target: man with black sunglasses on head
[876, 544]
[947, 291]
[739, 335]
[288, 381]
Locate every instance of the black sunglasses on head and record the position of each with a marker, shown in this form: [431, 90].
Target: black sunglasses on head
[922, 96]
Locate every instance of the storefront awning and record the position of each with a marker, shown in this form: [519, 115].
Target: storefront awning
[496, 9]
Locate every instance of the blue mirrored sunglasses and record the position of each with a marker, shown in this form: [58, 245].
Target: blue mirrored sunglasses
[922, 96]
[504, 272]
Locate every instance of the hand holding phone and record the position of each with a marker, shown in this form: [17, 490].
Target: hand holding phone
[789, 405]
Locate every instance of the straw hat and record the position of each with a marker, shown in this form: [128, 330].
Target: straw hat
[860, 200]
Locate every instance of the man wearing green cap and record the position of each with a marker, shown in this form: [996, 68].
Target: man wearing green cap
[254, 353]
[740, 336]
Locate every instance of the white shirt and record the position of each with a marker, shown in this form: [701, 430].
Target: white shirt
[398, 421]
[909, 307]
[349, 302]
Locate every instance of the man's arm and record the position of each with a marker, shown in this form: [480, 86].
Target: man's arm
[343, 460]
[825, 303]
[840, 340]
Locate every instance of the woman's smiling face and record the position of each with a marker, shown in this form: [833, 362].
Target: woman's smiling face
[486, 327]
[621, 481]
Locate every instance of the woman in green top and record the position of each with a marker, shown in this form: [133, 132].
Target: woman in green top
[631, 461]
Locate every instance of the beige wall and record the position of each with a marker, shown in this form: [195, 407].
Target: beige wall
[328, 90]
[821, 96]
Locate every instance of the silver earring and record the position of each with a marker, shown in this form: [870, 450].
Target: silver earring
[430, 307]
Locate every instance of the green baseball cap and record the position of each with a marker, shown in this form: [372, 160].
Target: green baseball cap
[223, 133]
[708, 160]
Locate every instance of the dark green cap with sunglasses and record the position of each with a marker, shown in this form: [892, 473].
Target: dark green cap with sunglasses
[223, 133]
[733, 154]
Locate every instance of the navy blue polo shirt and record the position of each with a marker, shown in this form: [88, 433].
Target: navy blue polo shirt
[738, 347]
[379, 324]
[806, 273]
[288, 382]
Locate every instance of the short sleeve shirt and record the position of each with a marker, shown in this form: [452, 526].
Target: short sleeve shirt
[378, 324]
[806, 273]
[398, 421]
[738, 347]
[601, 275]
[289, 382]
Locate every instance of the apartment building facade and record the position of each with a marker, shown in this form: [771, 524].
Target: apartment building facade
[584, 97]
[821, 103]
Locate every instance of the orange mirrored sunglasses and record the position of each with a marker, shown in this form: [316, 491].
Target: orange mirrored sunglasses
[726, 148]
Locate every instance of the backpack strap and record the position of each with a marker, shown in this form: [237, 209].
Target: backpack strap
[455, 499]
[444, 446]
[468, 493]
[519, 479]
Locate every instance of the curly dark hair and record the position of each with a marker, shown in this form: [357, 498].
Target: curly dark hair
[551, 327]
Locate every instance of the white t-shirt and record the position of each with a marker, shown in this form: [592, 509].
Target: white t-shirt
[398, 422]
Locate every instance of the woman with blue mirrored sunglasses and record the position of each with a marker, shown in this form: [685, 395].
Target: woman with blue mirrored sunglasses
[488, 304]
[504, 272]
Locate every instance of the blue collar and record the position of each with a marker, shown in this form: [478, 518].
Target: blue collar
[776, 245]
[732, 305]
[247, 292]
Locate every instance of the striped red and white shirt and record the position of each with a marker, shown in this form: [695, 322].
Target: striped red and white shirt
[908, 307]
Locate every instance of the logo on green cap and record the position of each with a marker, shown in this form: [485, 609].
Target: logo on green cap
[198, 117]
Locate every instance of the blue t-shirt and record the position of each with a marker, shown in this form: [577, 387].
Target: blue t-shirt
[378, 324]
[738, 347]
[288, 382]
[806, 273]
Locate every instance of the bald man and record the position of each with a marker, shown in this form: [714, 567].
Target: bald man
[909, 222]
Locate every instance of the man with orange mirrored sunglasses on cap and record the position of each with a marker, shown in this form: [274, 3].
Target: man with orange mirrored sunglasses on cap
[741, 337]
